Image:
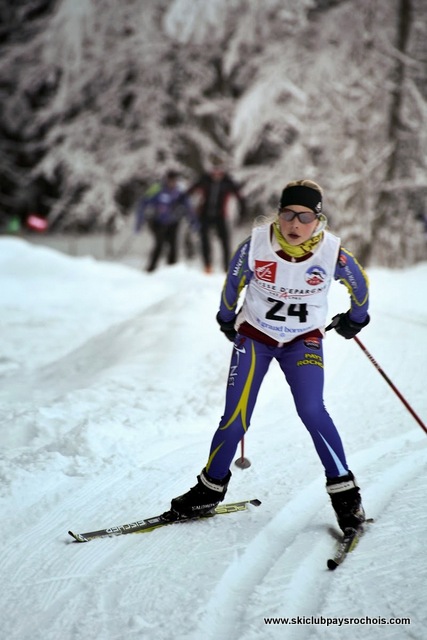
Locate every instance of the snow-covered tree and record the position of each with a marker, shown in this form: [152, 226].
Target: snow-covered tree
[99, 97]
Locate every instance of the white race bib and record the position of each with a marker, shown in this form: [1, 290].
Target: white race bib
[285, 299]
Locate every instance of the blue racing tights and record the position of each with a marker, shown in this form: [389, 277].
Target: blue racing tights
[302, 364]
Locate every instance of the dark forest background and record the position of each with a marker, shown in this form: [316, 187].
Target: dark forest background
[98, 98]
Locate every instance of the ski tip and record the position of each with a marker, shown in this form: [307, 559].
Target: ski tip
[255, 502]
[77, 537]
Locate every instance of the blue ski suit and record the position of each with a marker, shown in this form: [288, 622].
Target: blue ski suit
[300, 357]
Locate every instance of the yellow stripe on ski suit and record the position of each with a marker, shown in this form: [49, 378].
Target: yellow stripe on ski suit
[212, 456]
[242, 405]
[348, 286]
[232, 305]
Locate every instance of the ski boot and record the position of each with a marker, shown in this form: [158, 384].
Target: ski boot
[201, 499]
[346, 501]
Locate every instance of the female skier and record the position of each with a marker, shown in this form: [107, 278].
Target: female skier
[287, 266]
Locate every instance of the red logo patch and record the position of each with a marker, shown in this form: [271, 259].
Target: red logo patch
[265, 271]
[312, 343]
[342, 259]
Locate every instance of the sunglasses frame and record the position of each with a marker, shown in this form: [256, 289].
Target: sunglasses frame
[298, 214]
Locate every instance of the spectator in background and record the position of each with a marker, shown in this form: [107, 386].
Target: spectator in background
[163, 207]
[214, 189]
[422, 217]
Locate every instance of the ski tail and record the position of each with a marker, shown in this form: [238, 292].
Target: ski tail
[347, 544]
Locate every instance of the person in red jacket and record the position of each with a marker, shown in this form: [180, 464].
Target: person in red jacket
[215, 188]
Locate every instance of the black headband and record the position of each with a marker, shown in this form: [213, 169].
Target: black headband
[301, 195]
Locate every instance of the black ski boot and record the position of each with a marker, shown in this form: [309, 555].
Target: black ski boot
[202, 498]
[346, 501]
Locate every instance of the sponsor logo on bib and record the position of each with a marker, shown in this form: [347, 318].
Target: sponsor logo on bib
[265, 271]
[315, 275]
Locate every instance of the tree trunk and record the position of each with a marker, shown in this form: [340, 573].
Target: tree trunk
[397, 236]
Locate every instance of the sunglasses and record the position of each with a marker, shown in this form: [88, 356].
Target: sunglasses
[305, 217]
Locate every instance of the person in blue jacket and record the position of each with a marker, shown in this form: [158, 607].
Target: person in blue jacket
[163, 207]
[286, 266]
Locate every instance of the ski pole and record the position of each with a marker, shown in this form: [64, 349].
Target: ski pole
[242, 462]
[387, 379]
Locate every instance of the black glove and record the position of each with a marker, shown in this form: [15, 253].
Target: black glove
[227, 328]
[345, 326]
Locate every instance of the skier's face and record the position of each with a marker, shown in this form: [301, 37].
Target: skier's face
[294, 231]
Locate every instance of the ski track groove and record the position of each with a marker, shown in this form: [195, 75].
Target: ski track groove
[223, 615]
[76, 508]
[21, 553]
[98, 558]
[224, 612]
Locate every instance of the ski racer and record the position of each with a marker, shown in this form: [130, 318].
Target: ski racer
[287, 266]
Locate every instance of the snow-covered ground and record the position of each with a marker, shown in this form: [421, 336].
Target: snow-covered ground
[112, 384]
